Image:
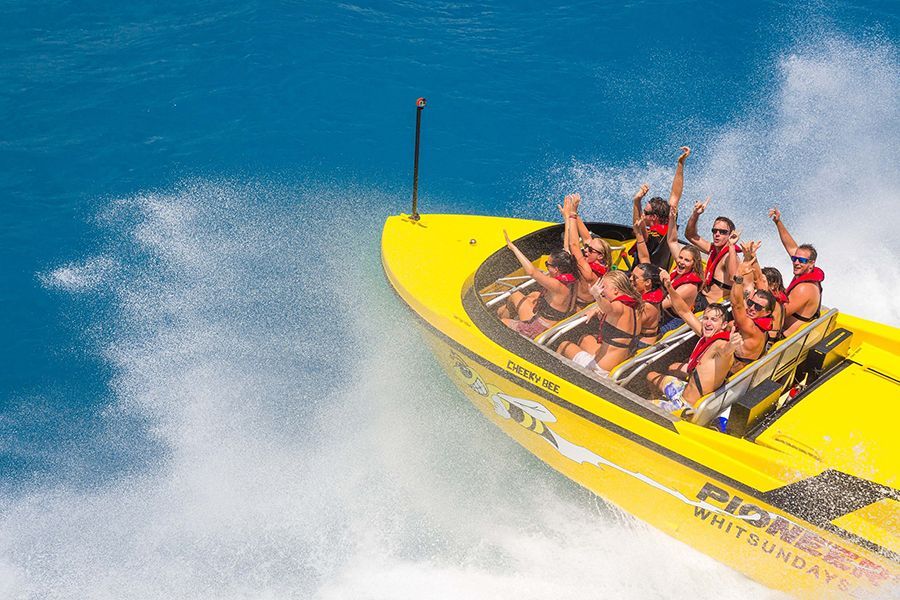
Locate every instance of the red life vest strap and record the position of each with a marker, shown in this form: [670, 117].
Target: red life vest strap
[816, 276]
[715, 257]
[654, 297]
[702, 346]
[764, 323]
[680, 280]
[566, 278]
[598, 268]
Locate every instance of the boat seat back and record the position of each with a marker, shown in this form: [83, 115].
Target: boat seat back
[778, 364]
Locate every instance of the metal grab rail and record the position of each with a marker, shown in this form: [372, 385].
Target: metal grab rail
[778, 362]
[658, 350]
[500, 296]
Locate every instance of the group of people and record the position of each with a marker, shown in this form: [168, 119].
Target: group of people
[635, 308]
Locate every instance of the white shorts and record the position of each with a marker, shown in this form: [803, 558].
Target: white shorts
[586, 360]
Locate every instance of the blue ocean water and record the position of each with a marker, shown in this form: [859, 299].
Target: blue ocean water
[198, 398]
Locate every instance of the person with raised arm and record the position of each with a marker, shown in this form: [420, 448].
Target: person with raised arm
[717, 275]
[553, 303]
[804, 293]
[592, 262]
[686, 275]
[753, 314]
[655, 215]
[710, 361]
[618, 307]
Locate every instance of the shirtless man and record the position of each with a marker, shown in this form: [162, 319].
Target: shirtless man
[753, 316]
[718, 274]
[656, 215]
[804, 293]
[710, 360]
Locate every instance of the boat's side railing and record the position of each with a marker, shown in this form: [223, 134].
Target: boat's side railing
[778, 364]
[547, 338]
[628, 370]
[496, 297]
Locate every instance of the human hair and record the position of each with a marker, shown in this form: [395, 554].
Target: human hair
[719, 309]
[697, 267]
[621, 280]
[564, 262]
[773, 276]
[651, 272]
[768, 297]
[727, 221]
[658, 208]
[606, 256]
[809, 248]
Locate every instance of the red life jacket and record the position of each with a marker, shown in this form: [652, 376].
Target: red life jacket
[764, 323]
[781, 297]
[660, 229]
[702, 346]
[566, 278]
[816, 276]
[715, 257]
[654, 297]
[598, 268]
[680, 280]
[626, 300]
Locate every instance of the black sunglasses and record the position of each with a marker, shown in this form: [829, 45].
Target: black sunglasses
[594, 250]
[716, 230]
[800, 259]
[754, 304]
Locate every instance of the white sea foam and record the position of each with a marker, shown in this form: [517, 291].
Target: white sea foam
[80, 277]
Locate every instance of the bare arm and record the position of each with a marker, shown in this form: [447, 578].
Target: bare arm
[679, 305]
[678, 180]
[572, 243]
[583, 232]
[672, 233]
[640, 241]
[542, 278]
[750, 267]
[690, 230]
[732, 253]
[786, 240]
[637, 212]
[739, 307]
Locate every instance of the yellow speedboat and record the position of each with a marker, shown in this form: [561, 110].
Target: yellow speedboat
[798, 492]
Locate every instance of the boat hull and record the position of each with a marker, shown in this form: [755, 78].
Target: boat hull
[658, 487]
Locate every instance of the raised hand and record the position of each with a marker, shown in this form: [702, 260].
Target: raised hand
[700, 207]
[642, 191]
[576, 200]
[750, 249]
[665, 278]
[775, 215]
[685, 152]
[735, 236]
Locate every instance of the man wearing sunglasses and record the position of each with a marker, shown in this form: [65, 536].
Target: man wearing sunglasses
[804, 293]
[752, 318]
[718, 273]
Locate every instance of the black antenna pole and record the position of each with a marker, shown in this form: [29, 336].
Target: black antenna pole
[420, 104]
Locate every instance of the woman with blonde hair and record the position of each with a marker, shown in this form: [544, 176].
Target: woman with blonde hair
[618, 306]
